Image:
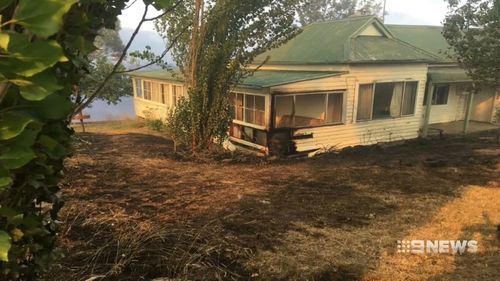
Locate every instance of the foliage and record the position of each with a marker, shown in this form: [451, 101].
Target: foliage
[221, 40]
[156, 125]
[108, 41]
[311, 11]
[473, 31]
[44, 49]
[178, 123]
[117, 87]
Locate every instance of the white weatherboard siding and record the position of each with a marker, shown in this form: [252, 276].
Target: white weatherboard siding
[484, 105]
[149, 109]
[454, 110]
[153, 109]
[365, 132]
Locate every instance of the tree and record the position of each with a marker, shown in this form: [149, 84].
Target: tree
[311, 11]
[108, 46]
[45, 48]
[473, 30]
[117, 87]
[223, 36]
[108, 41]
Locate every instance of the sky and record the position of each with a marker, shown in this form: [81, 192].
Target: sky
[419, 12]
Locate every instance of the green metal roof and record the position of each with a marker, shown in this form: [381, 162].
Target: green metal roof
[260, 79]
[268, 78]
[339, 42]
[162, 74]
[448, 75]
[381, 49]
[429, 38]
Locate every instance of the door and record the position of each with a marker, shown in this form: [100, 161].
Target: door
[482, 106]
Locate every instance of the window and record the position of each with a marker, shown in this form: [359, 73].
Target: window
[284, 111]
[147, 90]
[386, 100]
[410, 98]
[248, 134]
[335, 108]
[306, 110]
[165, 93]
[138, 88]
[249, 108]
[155, 92]
[176, 94]
[365, 101]
[439, 96]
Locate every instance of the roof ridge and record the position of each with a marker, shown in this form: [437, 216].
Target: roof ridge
[425, 52]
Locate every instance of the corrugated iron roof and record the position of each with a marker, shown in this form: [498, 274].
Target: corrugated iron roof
[259, 79]
[340, 42]
[448, 75]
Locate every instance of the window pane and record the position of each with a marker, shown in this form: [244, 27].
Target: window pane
[260, 117]
[249, 115]
[410, 97]
[138, 87]
[387, 100]
[239, 101]
[249, 101]
[310, 110]
[260, 103]
[239, 107]
[441, 95]
[365, 102]
[335, 107]
[284, 111]
[248, 134]
[175, 95]
[155, 92]
[147, 90]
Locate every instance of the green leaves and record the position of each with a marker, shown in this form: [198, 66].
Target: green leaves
[4, 246]
[42, 17]
[5, 178]
[12, 124]
[38, 87]
[5, 3]
[17, 157]
[53, 107]
[21, 53]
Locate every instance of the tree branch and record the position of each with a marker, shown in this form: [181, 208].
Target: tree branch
[115, 67]
[166, 11]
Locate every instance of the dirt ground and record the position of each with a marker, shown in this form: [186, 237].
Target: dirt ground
[136, 211]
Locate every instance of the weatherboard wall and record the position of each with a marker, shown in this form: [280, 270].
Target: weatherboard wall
[353, 133]
[454, 110]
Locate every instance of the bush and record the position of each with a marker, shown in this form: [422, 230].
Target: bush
[156, 125]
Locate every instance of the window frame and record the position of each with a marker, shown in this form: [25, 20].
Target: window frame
[294, 109]
[401, 115]
[165, 95]
[138, 88]
[150, 91]
[242, 122]
[435, 95]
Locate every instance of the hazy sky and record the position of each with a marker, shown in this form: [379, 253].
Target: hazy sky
[421, 12]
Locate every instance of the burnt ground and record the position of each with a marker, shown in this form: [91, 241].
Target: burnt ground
[136, 211]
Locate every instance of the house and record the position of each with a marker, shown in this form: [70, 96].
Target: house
[342, 83]
[448, 83]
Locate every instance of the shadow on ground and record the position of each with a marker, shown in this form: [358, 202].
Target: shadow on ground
[135, 212]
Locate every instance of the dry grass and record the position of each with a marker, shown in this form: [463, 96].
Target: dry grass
[134, 211]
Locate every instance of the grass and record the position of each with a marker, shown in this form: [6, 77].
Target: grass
[135, 211]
